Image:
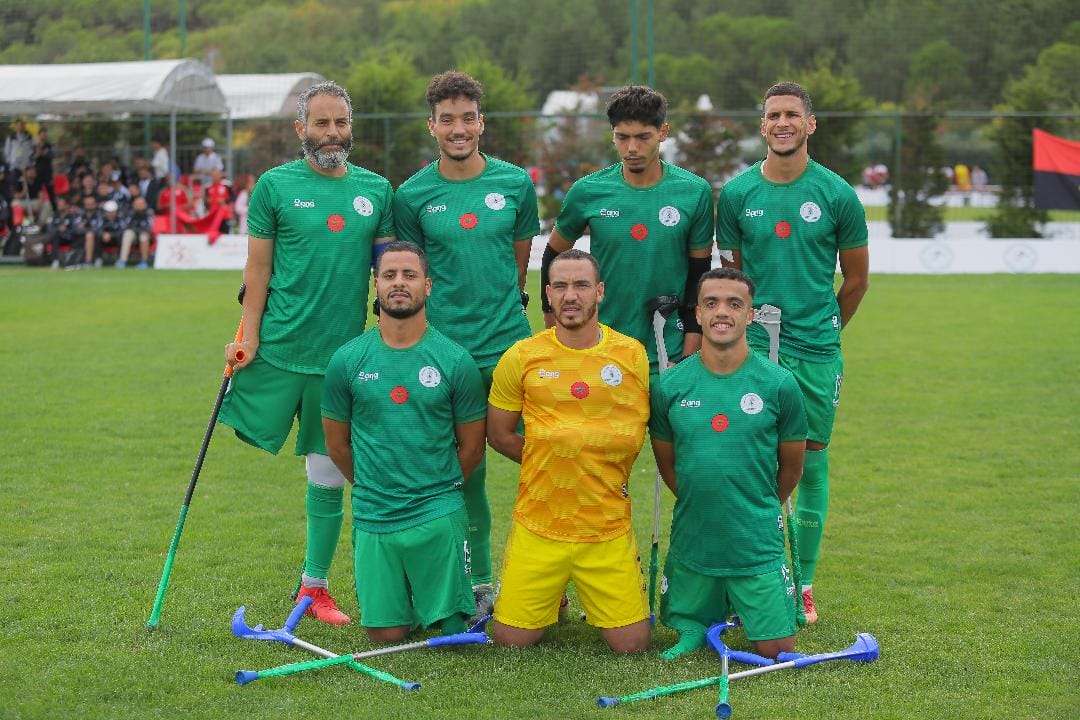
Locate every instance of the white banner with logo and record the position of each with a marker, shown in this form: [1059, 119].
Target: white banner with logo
[195, 252]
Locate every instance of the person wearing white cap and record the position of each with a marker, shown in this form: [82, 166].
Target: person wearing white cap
[206, 161]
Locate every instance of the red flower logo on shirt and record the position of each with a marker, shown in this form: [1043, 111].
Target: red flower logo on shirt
[719, 422]
[399, 394]
[468, 221]
[579, 390]
[783, 229]
[335, 223]
[639, 232]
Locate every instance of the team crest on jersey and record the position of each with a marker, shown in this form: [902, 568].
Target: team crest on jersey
[810, 212]
[783, 229]
[669, 216]
[495, 201]
[363, 206]
[611, 375]
[751, 403]
[430, 376]
[580, 390]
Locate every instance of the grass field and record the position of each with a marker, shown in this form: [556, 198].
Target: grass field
[971, 214]
[952, 538]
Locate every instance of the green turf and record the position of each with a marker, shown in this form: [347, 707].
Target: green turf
[952, 538]
[971, 214]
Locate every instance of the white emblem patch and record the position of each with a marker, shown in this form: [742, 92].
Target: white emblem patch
[810, 212]
[430, 377]
[363, 206]
[495, 201]
[663, 584]
[669, 216]
[751, 403]
[611, 375]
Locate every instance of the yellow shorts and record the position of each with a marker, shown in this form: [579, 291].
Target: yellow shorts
[535, 571]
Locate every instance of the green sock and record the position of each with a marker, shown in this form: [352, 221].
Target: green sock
[453, 625]
[811, 508]
[476, 505]
[690, 639]
[324, 516]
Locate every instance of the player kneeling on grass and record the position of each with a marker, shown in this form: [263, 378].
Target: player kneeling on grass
[583, 391]
[728, 431]
[403, 412]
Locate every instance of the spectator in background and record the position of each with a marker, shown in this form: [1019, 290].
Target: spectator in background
[139, 226]
[240, 207]
[978, 178]
[206, 161]
[60, 231]
[962, 176]
[219, 195]
[89, 228]
[113, 224]
[19, 151]
[87, 186]
[43, 164]
[149, 187]
[79, 166]
[160, 163]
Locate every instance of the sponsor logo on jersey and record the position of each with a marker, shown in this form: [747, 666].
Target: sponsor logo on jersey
[605, 213]
[335, 223]
[364, 376]
[432, 209]
[495, 201]
[783, 229]
[810, 212]
[753, 213]
[580, 390]
[399, 394]
[363, 206]
[751, 403]
[298, 203]
[430, 376]
[689, 403]
[669, 216]
[611, 375]
[468, 221]
[719, 422]
[639, 232]
[549, 373]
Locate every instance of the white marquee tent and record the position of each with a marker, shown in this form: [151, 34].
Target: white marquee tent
[251, 97]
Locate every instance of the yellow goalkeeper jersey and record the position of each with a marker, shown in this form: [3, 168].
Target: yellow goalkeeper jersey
[585, 414]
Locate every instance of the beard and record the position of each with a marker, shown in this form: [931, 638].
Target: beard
[401, 312]
[314, 153]
[585, 315]
[790, 151]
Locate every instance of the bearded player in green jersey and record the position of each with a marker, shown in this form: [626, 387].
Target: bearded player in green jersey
[314, 226]
[728, 431]
[787, 220]
[404, 414]
[475, 217]
[650, 225]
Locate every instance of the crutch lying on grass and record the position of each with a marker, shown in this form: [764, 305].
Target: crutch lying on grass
[768, 316]
[285, 635]
[865, 649]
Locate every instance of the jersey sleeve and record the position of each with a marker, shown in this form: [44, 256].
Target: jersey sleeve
[659, 424]
[470, 404]
[791, 423]
[572, 221]
[336, 397]
[386, 207]
[702, 226]
[507, 392]
[728, 234]
[262, 222]
[405, 221]
[851, 230]
[528, 218]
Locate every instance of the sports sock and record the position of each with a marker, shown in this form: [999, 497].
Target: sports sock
[453, 625]
[689, 639]
[324, 517]
[811, 508]
[476, 505]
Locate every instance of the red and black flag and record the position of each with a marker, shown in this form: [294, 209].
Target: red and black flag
[1056, 162]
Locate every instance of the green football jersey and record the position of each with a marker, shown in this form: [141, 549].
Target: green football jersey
[790, 236]
[402, 406]
[468, 229]
[323, 229]
[642, 238]
[726, 430]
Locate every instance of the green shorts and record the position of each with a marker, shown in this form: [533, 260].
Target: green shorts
[765, 603]
[820, 384]
[262, 402]
[416, 576]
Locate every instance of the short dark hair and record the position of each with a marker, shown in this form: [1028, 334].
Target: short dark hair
[789, 88]
[575, 254]
[637, 102]
[404, 246]
[726, 273]
[453, 84]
